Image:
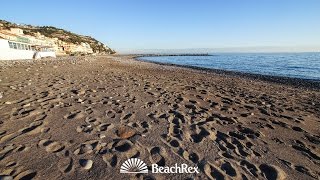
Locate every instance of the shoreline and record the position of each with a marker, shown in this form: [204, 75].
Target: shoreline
[291, 81]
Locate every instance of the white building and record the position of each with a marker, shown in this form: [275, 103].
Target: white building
[10, 50]
[14, 47]
[17, 31]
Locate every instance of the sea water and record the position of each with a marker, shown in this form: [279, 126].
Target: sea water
[296, 65]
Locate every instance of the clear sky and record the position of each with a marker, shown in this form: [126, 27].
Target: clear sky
[178, 24]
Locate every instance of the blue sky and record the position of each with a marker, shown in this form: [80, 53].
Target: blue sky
[178, 24]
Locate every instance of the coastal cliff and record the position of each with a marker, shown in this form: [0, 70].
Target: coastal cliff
[65, 42]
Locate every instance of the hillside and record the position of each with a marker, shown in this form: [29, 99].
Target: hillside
[61, 34]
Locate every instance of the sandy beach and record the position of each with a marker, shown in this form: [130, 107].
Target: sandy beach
[82, 117]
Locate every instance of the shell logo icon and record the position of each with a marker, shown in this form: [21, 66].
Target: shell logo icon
[134, 165]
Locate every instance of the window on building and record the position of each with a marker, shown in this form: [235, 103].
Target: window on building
[10, 44]
[19, 46]
[15, 46]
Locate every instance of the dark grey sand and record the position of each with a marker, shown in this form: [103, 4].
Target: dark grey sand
[82, 117]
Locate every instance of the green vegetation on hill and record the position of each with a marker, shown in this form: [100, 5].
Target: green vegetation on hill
[61, 34]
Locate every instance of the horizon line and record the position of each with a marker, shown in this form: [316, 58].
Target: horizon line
[251, 49]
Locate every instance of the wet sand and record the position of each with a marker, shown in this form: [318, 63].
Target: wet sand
[82, 117]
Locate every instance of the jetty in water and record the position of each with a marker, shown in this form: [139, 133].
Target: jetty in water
[192, 54]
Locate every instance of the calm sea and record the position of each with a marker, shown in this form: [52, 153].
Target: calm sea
[297, 65]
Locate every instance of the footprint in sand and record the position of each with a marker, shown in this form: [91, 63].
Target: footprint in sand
[84, 128]
[74, 115]
[92, 120]
[198, 134]
[84, 149]
[315, 139]
[134, 152]
[127, 116]
[105, 126]
[20, 148]
[88, 110]
[110, 159]
[191, 156]
[65, 165]
[54, 147]
[123, 145]
[157, 156]
[111, 114]
[272, 172]
[305, 170]
[11, 164]
[28, 174]
[251, 168]
[229, 169]
[86, 163]
[51, 146]
[87, 147]
[6, 150]
[32, 127]
[213, 172]
[300, 146]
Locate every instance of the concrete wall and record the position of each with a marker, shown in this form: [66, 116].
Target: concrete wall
[40, 55]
